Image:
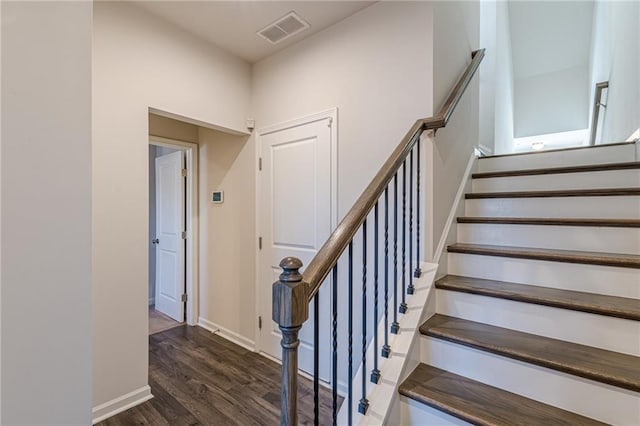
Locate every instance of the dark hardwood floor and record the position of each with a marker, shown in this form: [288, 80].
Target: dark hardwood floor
[198, 378]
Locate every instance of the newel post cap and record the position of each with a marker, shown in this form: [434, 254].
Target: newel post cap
[290, 295]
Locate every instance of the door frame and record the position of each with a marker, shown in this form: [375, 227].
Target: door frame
[191, 223]
[332, 115]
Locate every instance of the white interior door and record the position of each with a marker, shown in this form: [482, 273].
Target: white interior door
[296, 218]
[170, 247]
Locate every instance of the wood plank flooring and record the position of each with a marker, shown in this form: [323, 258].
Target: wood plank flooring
[198, 378]
[160, 322]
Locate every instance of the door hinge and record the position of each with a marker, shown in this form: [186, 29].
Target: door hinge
[259, 243]
[184, 235]
[184, 172]
[184, 297]
[260, 163]
[260, 322]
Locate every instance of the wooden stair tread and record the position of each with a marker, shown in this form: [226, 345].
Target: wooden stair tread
[601, 365]
[613, 223]
[569, 256]
[558, 170]
[619, 307]
[481, 404]
[598, 192]
[546, 151]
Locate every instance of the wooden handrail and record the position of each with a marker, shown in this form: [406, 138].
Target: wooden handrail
[292, 293]
[330, 252]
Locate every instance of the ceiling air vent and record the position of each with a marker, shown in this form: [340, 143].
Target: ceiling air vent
[285, 27]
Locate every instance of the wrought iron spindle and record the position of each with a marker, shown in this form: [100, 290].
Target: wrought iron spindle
[418, 271]
[395, 327]
[364, 402]
[350, 349]
[334, 362]
[403, 305]
[386, 349]
[316, 359]
[375, 373]
[410, 288]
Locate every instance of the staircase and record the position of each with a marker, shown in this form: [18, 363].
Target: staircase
[538, 319]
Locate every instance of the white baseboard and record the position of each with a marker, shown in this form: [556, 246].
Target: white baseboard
[122, 403]
[231, 336]
[152, 301]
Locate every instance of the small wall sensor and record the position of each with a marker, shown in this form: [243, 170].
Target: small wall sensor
[217, 197]
[251, 123]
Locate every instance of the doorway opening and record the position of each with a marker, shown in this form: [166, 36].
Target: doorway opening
[172, 171]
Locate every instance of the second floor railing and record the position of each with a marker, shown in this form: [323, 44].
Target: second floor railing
[395, 194]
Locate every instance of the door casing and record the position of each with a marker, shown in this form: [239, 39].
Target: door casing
[191, 221]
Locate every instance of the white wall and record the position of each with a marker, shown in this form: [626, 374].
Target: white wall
[227, 230]
[496, 79]
[615, 49]
[375, 66]
[550, 61]
[456, 35]
[487, 75]
[552, 102]
[140, 62]
[46, 213]
[503, 128]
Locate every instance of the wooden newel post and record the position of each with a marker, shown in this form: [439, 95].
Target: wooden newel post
[290, 311]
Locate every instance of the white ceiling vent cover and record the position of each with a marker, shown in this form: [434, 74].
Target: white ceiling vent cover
[285, 27]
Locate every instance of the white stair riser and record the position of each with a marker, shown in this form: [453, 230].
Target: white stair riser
[416, 413]
[613, 281]
[586, 397]
[599, 331]
[598, 155]
[585, 238]
[602, 179]
[616, 207]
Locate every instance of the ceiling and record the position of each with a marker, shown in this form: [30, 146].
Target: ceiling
[232, 25]
[549, 36]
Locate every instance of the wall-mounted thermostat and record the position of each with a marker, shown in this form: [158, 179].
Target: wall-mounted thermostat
[217, 197]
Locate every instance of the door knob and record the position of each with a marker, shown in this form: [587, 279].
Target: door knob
[155, 241]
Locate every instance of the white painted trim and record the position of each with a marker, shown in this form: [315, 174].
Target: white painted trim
[454, 208]
[152, 301]
[122, 403]
[330, 114]
[192, 259]
[225, 333]
[198, 122]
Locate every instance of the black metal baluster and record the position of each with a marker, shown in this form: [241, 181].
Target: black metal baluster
[316, 359]
[395, 327]
[375, 373]
[418, 271]
[350, 349]
[334, 378]
[364, 402]
[410, 288]
[386, 349]
[403, 305]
